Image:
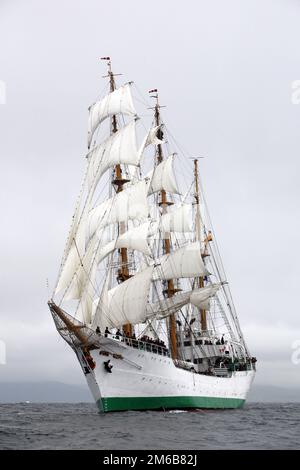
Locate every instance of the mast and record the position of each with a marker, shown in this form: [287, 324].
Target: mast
[164, 203]
[203, 316]
[119, 181]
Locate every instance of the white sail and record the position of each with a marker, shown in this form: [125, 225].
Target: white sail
[177, 220]
[200, 297]
[86, 271]
[81, 273]
[150, 138]
[125, 303]
[74, 257]
[163, 177]
[136, 238]
[131, 203]
[183, 262]
[119, 101]
[84, 309]
[168, 306]
[120, 148]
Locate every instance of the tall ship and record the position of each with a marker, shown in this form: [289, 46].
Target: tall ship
[141, 295]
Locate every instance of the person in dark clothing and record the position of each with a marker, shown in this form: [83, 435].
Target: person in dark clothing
[107, 332]
[98, 330]
[222, 340]
[108, 366]
[118, 333]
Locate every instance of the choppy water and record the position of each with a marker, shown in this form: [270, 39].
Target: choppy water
[80, 426]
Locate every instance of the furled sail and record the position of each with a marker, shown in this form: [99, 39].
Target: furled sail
[131, 203]
[119, 101]
[183, 262]
[119, 148]
[163, 177]
[125, 303]
[177, 220]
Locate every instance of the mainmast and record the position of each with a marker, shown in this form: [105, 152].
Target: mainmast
[118, 182]
[164, 203]
[203, 316]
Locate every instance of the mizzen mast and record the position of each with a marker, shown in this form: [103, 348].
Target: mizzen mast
[118, 182]
[164, 203]
[203, 316]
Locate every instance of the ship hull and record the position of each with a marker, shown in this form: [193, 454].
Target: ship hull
[143, 380]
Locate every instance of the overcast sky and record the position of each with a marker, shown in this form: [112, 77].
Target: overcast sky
[225, 70]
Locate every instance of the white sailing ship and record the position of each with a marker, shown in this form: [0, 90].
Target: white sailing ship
[142, 297]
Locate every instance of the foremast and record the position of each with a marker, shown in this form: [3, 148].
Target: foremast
[118, 182]
[164, 203]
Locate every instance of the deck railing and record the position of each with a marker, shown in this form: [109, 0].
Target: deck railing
[141, 345]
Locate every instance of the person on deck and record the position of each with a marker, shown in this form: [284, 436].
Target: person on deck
[108, 366]
[107, 332]
[98, 330]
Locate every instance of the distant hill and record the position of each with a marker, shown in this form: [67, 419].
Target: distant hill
[47, 392]
[43, 392]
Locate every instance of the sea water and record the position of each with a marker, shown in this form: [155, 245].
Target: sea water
[81, 426]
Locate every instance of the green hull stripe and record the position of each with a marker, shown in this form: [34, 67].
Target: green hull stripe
[152, 403]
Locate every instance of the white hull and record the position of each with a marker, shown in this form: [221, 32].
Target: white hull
[144, 380]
